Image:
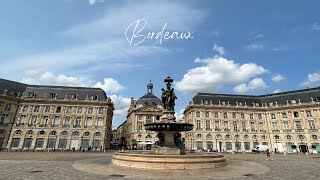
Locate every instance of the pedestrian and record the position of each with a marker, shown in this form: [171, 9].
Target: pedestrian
[268, 155]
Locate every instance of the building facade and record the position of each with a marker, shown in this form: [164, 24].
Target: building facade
[144, 110]
[286, 122]
[54, 117]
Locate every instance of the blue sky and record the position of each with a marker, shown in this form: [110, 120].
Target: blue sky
[238, 47]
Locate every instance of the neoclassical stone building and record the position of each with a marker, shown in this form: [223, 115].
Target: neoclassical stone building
[37, 117]
[225, 122]
[146, 109]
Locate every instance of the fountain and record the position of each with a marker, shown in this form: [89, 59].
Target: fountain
[169, 151]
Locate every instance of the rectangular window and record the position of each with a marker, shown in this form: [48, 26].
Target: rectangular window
[139, 125]
[198, 114]
[62, 144]
[247, 146]
[99, 122]
[295, 114]
[242, 115]
[284, 115]
[78, 122]
[58, 109]
[298, 125]
[56, 120]
[217, 125]
[39, 143]
[235, 125]
[311, 124]
[207, 124]
[67, 121]
[79, 110]
[252, 126]
[273, 116]
[89, 122]
[90, 110]
[4, 119]
[51, 143]
[22, 119]
[25, 108]
[100, 110]
[47, 109]
[260, 116]
[309, 114]
[33, 120]
[15, 143]
[69, 109]
[233, 115]
[275, 125]
[261, 125]
[216, 115]
[286, 125]
[198, 124]
[226, 125]
[251, 116]
[45, 120]
[36, 109]
[244, 127]
[207, 114]
[7, 107]
[225, 115]
[228, 146]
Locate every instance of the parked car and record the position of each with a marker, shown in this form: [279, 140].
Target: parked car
[260, 148]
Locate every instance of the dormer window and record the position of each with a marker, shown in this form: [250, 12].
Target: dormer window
[94, 97]
[31, 95]
[53, 95]
[73, 96]
[293, 101]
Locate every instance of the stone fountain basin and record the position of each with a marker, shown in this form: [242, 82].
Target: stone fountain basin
[146, 160]
[168, 126]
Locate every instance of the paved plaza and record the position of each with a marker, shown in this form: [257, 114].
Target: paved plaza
[92, 165]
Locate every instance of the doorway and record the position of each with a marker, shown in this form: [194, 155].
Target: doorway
[303, 148]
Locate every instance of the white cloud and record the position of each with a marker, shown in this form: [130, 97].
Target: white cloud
[254, 46]
[277, 77]
[215, 73]
[179, 115]
[277, 91]
[93, 2]
[254, 84]
[109, 85]
[49, 78]
[121, 109]
[220, 50]
[313, 80]
[315, 26]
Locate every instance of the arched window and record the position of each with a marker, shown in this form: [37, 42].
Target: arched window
[41, 133]
[219, 136]
[18, 132]
[76, 133]
[52, 133]
[263, 137]
[246, 137]
[254, 136]
[64, 133]
[276, 137]
[236, 136]
[86, 134]
[209, 136]
[97, 134]
[30, 132]
[199, 136]
[228, 136]
[301, 137]
[288, 137]
[148, 136]
[314, 137]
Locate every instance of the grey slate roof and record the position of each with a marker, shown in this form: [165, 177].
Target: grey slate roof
[303, 95]
[42, 91]
[148, 100]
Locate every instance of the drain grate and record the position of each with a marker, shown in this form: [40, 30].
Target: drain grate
[35, 171]
[117, 175]
[249, 175]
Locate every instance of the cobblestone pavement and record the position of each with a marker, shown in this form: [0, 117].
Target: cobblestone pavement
[60, 165]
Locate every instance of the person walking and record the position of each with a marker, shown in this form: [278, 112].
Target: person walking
[268, 155]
